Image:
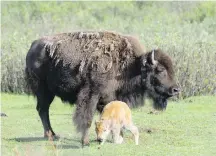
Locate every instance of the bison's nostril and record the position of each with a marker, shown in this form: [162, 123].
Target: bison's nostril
[175, 90]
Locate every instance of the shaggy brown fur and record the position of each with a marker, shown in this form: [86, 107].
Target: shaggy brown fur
[102, 49]
[93, 68]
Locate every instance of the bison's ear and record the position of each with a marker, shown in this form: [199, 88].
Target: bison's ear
[152, 58]
[144, 60]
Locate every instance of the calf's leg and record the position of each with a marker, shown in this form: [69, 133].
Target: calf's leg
[118, 139]
[121, 133]
[135, 132]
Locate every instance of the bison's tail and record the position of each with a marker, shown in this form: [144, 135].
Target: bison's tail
[31, 82]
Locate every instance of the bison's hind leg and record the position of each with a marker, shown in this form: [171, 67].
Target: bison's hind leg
[44, 99]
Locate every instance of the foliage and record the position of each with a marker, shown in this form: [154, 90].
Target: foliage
[185, 30]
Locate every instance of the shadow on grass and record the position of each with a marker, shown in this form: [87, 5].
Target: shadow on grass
[33, 139]
[28, 139]
[68, 147]
[55, 142]
[64, 143]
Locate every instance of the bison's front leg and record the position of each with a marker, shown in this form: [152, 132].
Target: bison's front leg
[86, 106]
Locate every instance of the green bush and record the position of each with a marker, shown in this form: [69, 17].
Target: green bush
[185, 30]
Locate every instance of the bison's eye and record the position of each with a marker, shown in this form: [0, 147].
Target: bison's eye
[160, 69]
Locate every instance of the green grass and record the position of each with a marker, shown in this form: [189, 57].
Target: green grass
[187, 127]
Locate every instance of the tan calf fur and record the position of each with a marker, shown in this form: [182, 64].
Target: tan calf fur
[115, 116]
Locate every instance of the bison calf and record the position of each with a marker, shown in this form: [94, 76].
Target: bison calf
[115, 116]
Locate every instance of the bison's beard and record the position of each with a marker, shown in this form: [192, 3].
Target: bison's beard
[160, 103]
[158, 94]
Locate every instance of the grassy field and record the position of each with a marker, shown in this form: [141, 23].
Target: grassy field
[184, 30]
[187, 127]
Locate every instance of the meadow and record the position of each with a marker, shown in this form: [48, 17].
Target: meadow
[187, 127]
[184, 30]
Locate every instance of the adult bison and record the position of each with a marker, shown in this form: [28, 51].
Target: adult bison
[93, 68]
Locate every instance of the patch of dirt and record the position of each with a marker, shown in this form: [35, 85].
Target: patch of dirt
[153, 112]
[147, 130]
[3, 115]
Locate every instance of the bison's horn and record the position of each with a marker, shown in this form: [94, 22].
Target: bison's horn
[154, 62]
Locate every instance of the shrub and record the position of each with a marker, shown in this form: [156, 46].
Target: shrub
[185, 30]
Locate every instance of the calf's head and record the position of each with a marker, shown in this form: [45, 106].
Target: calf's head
[158, 77]
[102, 129]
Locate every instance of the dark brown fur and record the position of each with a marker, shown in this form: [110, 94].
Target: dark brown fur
[91, 69]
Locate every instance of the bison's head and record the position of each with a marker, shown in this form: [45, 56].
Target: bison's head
[158, 78]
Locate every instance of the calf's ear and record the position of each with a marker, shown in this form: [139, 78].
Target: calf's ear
[96, 123]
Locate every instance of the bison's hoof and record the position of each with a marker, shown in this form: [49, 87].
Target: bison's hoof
[56, 137]
[51, 136]
[85, 143]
